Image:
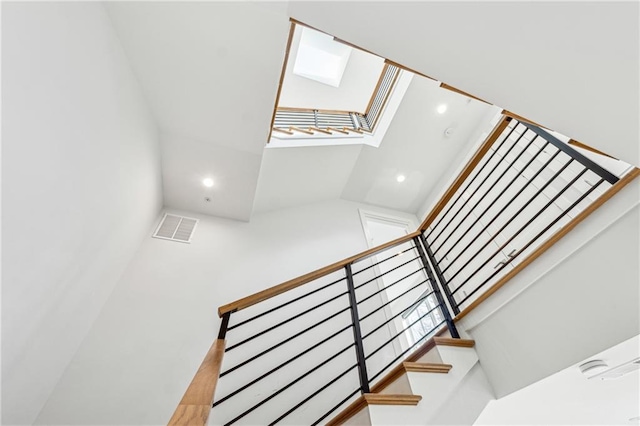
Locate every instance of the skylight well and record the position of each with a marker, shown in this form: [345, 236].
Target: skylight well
[320, 58]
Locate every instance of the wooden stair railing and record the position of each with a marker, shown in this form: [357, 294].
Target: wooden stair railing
[195, 405]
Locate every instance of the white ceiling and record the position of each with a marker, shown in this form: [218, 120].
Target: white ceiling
[414, 145]
[580, 79]
[210, 72]
[358, 83]
[297, 176]
[210, 79]
[568, 397]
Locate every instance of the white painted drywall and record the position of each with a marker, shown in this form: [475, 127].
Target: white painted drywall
[580, 297]
[415, 146]
[572, 398]
[571, 66]
[358, 83]
[210, 72]
[80, 184]
[161, 319]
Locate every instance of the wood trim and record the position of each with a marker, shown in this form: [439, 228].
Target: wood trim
[284, 71]
[385, 100]
[375, 91]
[391, 399]
[287, 132]
[372, 399]
[195, 406]
[520, 118]
[297, 129]
[357, 405]
[315, 129]
[450, 341]
[352, 409]
[628, 178]
[245, 302]
[333, 129]
[426, 367]
[468, 95]
[588, 148]
[468, 169]
[346, 129]
[411, 70]
[398, 370]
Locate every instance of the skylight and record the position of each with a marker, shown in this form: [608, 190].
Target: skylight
[320, 58]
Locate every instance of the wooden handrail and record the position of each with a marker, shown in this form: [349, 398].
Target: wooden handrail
[461, 92]
[468, 168]
[520, 118]
[195, 406]
[245, 302]
[628, 178]
[589, 148]
[285, 61]
[571, 141]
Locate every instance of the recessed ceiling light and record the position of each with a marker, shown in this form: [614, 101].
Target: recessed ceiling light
[442, 108]
[208, 182]
[401, 178]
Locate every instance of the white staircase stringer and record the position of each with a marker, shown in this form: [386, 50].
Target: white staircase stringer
[439, 391]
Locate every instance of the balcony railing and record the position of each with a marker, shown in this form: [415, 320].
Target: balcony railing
[525, 188]
[291, 121]
[300, 351]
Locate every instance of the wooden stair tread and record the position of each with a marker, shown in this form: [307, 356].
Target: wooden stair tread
[409, 364]
[426, 367]
[391, 399]
[373, 399]
[449, 341]
[399, 369]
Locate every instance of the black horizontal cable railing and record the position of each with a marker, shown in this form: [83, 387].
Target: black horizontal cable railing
[325, 122]
[298, 353]
[526, 187]
[389, 300]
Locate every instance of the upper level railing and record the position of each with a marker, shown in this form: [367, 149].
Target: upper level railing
[300, 351]
[293, 121]
[525, 188]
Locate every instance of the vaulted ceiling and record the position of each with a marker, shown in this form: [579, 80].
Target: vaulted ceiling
[210, 73]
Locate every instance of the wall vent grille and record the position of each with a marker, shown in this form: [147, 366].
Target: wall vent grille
[176, 228]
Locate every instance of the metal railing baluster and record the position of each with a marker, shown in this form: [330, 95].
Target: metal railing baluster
[357, 333]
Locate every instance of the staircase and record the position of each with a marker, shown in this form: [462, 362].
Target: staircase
[364, 340]
[417, 390]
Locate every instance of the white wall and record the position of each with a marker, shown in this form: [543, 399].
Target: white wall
[80, 185]
[571, 66]
[454, 167]
[579, 298]
[358, 83]
[161, 319]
